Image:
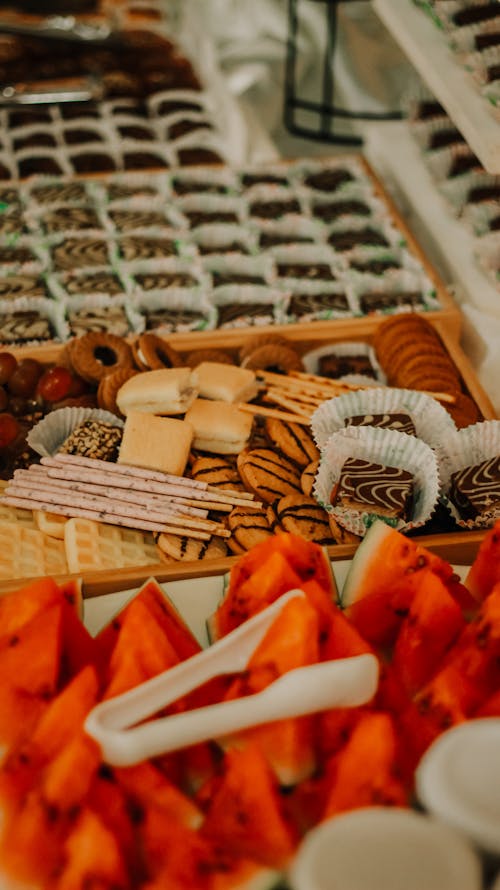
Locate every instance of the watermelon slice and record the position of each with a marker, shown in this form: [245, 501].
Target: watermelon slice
[485, 570]
[92, 857]
[145, 784]
[433, 623]
[365, 772]
[245, 811]
[31, 844]
[21, 606]
[142, 650]
[282, 563]
[384, 575]
[66, 780]
[163, 610]
[109, 801]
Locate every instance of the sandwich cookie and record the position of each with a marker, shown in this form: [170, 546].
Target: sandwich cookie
[184, 549]
[303, 516]
[226, 383]
[219, 427]
[269, 475]
[164, 391]
[217, 472]
[293, 440]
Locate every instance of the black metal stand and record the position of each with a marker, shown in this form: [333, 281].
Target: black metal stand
[325, 111]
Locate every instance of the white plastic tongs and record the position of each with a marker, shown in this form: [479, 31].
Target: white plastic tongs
[347, 682]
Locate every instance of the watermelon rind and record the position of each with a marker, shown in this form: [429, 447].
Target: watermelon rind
[360, 565]
[263, 879]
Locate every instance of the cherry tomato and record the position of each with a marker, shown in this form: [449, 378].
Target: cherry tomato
[54, 384]
[9, 429]
[8, 364]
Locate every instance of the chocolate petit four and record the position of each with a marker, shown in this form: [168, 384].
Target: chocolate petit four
[310, 271]
[78, 252]
[310, 304]
[250, 179]
[275, 239]
[401, 422]
[375, 266]
[24, 326]
[141, 248]
[274, 209]
[118, 191]
[64, 218]
[475, 491]
[340, 365]
[136, 219]
[162, 280]
[234, 314]
[94, 283]
[328, 180]
[378, 301]
[111, 319]
[374, 488]
[221, 278]
[195, 186]
[202, 217]
[334, 209]
[173, 319]
[64, 192]
[346, 239]
[22, 286]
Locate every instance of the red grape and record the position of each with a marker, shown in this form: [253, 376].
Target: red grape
[79, 386]
[8, 364]
[24, 379]
[3, 399]
[9, 429]
[54, 384]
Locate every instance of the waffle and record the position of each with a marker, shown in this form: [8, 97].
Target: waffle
[91, 546]
[15, 515]
[28, 553]
[50, 523]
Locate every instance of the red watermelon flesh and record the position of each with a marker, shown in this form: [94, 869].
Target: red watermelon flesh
[385, 573]
[246, 813]
[491, 707]
[108, 800]
[146, 785]
[335, 728]
[433, 623]
[484, 573]
[93, 858]
[142, 651]
[66, 780]
[173, 854]
[71, 591]
[366, 771]
[21, 606]
[31, 842]
[164, 612]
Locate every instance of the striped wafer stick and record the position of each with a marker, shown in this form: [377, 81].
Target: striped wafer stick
[105, 506]
[126, 470]
[84, 513]
[198, 496]
[285, 402]
[262, 411]
[306, 382]
[152, 503]
[298, 399]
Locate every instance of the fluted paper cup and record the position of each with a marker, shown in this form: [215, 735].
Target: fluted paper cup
[48, 435]
[470, 447]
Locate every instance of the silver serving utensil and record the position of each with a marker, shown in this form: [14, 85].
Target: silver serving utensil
[75, 89]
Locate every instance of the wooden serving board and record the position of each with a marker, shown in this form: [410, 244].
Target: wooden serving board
[457, 547]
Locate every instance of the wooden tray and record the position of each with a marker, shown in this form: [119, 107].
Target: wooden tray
[457, 547]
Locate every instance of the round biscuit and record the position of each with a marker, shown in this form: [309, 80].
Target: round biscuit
[185, 549]
[340, 535]
[308, 477]
[258, 340]
[303, 516]
[217, 471]
[269, 475]
[293, 440]
[248, 528]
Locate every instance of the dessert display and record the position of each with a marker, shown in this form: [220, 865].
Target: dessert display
[240, 444]
[133, 255]
[176, 819]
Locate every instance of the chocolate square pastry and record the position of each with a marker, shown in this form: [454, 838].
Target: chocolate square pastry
[483, 41]
[400, 422]
[90, 162]
[96, 283]
[195, 186]
[79, 252]
[232, 313]
[335, 209]
[345, 240]
[472, 14]
[221, 278]
[168, 106]
[483, 193]
[374, 488]
[249, 179]
[15, 254]
[136, 131]
[121, 192]
[340, 365]
[72, 110]
[111, 319]
[138, 248]
[188, 156]
[65, 192]
[173, 319]
[23, 326]
[475, 491]
[274, 209]
[143, 160]
[309, 304]
[34, 140]
[29, 166]
[180, 128]
[462, 164]
[22, 286]
[375, 266]
[328, 180]
[126, 220]
[66, 218]
[377, 301]
[309, 271]
[162, 280]
[207, 248]
[202, 217]
[274, 239]
[80, 136]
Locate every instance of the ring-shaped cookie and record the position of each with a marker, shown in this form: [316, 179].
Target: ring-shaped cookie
[259, 340]
[96, 354]
[152, 353]
[208, 355]
[279, 359]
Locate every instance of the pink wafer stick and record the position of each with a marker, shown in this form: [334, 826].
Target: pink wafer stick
[126, 470]
[105, 506]
[40, 478]
[107, 519]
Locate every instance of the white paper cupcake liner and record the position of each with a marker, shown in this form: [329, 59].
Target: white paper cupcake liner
[432, 422]
[467, 448]
[47, 436]
[386, 447]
